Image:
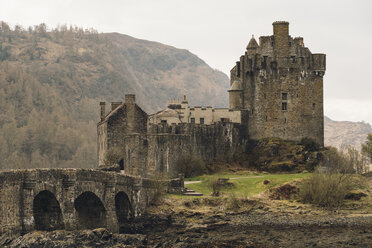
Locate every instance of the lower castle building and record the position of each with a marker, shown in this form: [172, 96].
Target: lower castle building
[276, 90]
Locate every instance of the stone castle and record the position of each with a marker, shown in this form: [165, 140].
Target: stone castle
[276, 90]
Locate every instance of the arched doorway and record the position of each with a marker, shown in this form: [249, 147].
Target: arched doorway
[124, 211]
[90, 210]
[47, 213]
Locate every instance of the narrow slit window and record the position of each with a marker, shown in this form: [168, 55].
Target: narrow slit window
[121, 164]
[313, 106]
[284, 106]
[284, 96]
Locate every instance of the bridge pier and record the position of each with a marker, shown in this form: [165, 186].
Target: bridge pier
[111, 220]
[67, 204]
[25, 205]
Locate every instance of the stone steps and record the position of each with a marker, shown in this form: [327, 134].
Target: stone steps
[190, 192]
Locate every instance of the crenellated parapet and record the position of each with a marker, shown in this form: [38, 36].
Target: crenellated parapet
[280, 86]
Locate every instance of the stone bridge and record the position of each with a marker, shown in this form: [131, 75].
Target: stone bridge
[49, 199]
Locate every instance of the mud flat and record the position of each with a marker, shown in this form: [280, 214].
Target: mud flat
[190, 229]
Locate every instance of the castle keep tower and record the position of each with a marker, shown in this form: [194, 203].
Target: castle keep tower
[279, 83]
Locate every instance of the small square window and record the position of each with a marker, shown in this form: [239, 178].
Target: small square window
[284, 106]
[201, 120]
[284, 96]
[192, 120]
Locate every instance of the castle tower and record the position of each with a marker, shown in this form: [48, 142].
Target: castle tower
[235, 95]
[279, 83]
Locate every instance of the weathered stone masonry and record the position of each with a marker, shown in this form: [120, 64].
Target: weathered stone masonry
[48, 199]
[279, 82]
[146, 149]
[276, 91]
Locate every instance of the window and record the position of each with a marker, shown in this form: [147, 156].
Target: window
[284, 96]
[164, 121]
[121, 164]
[201, 120]
[313, 106]
[285, 120]
[192, 120]
[284, 106]
[266, 118]
[265, 95]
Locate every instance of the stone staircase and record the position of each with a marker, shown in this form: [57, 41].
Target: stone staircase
[191, 192]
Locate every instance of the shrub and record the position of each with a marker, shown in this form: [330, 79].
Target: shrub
[326, 189]
[215, 186]
[190, 165]
[334, 161]
[310, 144]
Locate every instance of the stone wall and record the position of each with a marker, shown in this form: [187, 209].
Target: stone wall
[21, 189]
[164, 145]
[282, 87]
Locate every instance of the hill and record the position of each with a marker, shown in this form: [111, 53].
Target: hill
[341, 134]
[52, 81]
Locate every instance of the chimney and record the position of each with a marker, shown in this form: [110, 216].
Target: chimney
[281, 38]
[114, 105]
[103, 110]
[130, 99]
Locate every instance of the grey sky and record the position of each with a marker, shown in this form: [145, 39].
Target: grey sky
[218, 31]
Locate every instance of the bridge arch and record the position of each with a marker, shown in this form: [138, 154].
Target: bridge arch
[47, 212]
[91, 212]
[124, 210]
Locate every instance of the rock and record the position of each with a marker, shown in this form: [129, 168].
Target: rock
[283, 192]
[355, 196]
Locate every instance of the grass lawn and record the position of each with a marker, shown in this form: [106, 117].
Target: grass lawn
[245, 183]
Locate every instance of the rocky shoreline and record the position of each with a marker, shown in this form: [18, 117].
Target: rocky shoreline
[194, 229]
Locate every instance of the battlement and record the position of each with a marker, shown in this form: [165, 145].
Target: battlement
[280, 83]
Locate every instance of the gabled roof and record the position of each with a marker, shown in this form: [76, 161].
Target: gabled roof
[166, 113]
[112, 112]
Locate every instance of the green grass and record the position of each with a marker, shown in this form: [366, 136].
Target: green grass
[245, 184]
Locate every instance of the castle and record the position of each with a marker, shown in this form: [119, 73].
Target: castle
[276, 90]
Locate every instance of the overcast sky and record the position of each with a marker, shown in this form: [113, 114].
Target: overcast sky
[218, 32]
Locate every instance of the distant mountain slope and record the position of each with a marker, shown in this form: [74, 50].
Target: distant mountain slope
[51, 84]
[341, 134]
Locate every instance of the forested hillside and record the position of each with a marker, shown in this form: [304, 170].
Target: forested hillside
[51, 83]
